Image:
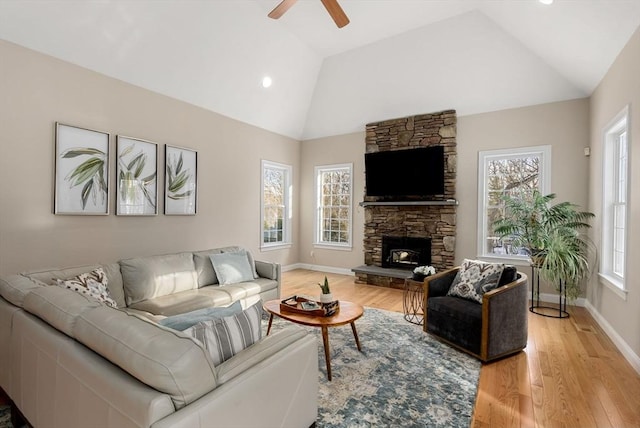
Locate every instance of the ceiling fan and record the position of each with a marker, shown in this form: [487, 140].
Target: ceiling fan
[332, 6]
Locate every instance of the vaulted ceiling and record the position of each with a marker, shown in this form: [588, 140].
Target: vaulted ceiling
[395, 58]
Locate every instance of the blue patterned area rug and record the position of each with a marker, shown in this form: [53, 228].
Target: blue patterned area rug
[402, 378]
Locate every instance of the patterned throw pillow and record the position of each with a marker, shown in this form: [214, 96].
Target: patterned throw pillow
[475, 278]
[225, 337]
[93, 284]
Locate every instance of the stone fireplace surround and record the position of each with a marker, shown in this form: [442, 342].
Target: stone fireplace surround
[433, 219]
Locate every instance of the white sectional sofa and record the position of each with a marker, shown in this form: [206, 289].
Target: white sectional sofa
[68, 360]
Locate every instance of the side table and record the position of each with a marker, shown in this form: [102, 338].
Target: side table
[413, 300]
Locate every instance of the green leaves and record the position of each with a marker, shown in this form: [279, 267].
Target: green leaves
[90, 173]
[551, 234]
[132, 170]
[177, 179]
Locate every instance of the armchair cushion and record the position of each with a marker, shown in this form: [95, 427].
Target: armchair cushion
[475, 278]
[452, 317]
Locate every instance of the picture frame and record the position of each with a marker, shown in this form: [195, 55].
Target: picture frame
[181, 181]
[136, 177]
[81, 171]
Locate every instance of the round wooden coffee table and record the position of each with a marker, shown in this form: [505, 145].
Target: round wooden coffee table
[349, 312]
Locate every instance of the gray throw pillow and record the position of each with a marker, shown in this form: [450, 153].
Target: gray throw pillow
[225, 337]
[232, 268]
[475, 278]
[186, 320]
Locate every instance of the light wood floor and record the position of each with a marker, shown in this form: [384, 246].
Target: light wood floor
[569, 375]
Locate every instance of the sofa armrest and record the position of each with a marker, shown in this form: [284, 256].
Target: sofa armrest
[280, 390]
[268, 270]
[504, 318]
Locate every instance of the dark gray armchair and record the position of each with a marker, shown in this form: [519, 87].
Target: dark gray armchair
[493, 329]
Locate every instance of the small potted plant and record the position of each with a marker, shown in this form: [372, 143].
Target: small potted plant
[421, 272]
[326, 295]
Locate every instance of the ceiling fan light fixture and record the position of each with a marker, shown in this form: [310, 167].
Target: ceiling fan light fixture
[266, 81]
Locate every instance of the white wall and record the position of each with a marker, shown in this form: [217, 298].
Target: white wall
[620, 87]
[38, 90]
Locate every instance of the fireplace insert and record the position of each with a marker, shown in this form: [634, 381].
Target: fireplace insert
[405, 252]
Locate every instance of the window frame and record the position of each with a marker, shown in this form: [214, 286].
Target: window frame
[318, 242]
[544, 184]
[286, 223]
[611, 191]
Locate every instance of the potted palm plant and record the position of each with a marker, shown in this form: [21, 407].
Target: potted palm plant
[551, 236]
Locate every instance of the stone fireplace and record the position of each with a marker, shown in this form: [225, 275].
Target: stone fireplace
[411, 221]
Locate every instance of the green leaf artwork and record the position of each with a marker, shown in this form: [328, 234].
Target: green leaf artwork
[177, 178]
[90, 174]
[131, 167]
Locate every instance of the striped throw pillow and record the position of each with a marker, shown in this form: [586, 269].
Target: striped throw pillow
[225, 337]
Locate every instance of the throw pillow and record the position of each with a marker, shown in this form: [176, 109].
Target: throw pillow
[186, 320]
[232, 268]
[93, 284]
[475, 278]
[225, 337]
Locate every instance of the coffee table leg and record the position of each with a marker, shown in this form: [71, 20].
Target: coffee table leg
[355, 335]
[325, 341]
[269, 327]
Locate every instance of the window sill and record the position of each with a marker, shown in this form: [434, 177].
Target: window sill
[272, 247]
[326, 246]
[517, 261]
[614, 285]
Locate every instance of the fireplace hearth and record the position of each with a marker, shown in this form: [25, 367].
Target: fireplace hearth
[403, 252]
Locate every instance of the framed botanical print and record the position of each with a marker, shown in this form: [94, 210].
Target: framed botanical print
[81, 171]
[181, 181]
[137, 173]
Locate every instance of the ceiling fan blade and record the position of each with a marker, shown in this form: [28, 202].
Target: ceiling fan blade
[336, 12]
[280, 9]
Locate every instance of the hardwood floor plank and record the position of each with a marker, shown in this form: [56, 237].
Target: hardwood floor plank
[569, 375]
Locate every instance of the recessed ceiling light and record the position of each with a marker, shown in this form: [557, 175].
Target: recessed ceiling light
[266, 81]
[546, 1]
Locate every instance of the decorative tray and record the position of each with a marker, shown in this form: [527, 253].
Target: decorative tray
[307, 306]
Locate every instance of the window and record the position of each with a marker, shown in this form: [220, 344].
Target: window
[614, 202]
[276, 205]
[333, 206]
[507, 172]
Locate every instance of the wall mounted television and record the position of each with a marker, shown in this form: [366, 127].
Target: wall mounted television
[408, 173]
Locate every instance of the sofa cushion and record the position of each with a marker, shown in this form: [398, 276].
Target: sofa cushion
[184, 321]
[232, 268]
[475, 278]
[165, 359]
[204, 268]
[149, 277]
[58, 306]
[185, 301]
[92, 284]
[225, 337]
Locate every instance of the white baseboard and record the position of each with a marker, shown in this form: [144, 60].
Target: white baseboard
[553, 298]
[318, 268]
[617, 340]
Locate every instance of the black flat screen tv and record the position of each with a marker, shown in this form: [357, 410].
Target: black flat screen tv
[408, 173]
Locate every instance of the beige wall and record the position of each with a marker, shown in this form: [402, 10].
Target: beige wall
[563, 125]
[37, 90]
[619, 88]
[347, 148]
